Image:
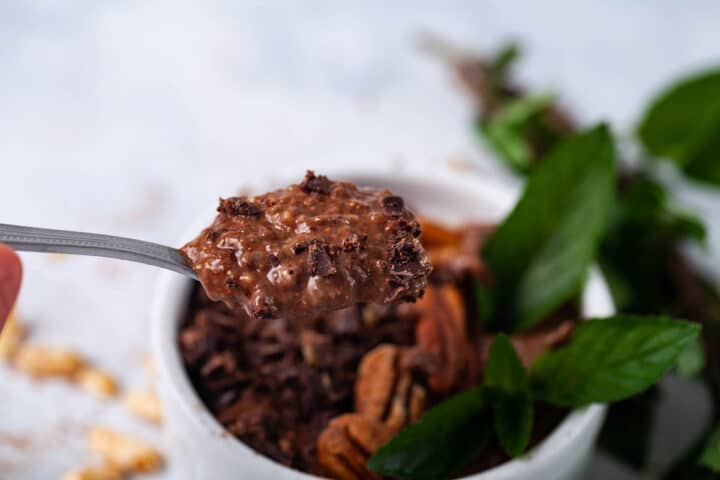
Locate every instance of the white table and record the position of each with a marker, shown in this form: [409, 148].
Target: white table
[130, 117]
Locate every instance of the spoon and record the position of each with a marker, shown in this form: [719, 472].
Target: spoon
[31, 239]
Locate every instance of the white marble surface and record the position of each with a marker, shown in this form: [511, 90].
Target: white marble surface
[130, 117]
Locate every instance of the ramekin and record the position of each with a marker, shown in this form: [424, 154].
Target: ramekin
[200, 448]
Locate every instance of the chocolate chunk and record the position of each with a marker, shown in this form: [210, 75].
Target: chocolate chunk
[299, 247]
[264, 308]
[239, 207]
[408, 267]
[393, 204]
[354, 243]
[316, 183]
[274, 260]
[321, 264]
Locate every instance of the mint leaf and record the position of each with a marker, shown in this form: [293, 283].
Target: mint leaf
[692, 360]
[710, 456]
[607, 360]
[506, 56]
[482, 302]
[542, 251]
[508, 131]
[683, 124]
[644, 221]
[447, 438]
[509, 392]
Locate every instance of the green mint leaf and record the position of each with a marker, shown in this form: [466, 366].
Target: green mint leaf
[447, 438]
[691, 361]
[508, 131]
[607, 360]
[710, 456]
[509, 393]
[483, 302]
[646, 205]
[541, 253]
[644, 221]
[683, 124]
[504, 371]
[505, 58]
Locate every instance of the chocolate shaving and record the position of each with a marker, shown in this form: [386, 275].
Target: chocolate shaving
[321, 264]
[239, 207]
[316, 183]
[393, 204]
[276, 385]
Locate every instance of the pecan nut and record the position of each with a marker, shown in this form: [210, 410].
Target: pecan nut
[385, 390]
[453, 252]
[441, 331]
[346, 444]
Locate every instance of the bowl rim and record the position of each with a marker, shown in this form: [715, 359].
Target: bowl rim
[172, 292]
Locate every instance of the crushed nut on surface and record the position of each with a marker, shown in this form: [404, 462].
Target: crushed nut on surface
[125, 453]
[96, 382]
[347, 443]
[144, 404]
[42, 362]
[106, 472]
[11, 337]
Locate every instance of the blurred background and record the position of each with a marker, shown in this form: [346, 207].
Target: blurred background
[130, 118]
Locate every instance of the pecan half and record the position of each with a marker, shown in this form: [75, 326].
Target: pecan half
[441, 331]
[453, 252]
[347, 443]
[385, 390]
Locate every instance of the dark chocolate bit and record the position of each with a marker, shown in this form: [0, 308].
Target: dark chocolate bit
[407, 264]
[316, 183]
[299, 247]
[321, 264]
[274, 260]
[354, 243]
[239, 207]
[393, 204]
[265, 308]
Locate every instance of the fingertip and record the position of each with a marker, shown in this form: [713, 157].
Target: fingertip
[10, 278]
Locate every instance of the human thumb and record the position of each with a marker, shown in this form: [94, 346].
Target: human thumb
[10, 276]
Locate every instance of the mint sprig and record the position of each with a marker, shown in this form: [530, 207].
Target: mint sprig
[510, 398]
[541, 253]
[683, 125]
[608, 360]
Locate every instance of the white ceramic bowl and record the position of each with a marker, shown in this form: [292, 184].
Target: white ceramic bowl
[201, 449]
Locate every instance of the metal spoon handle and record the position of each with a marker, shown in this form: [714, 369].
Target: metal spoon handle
[31, 239]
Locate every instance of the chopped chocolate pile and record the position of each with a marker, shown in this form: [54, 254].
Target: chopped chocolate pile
[276, 385]
[310, 249]
[322, 395]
